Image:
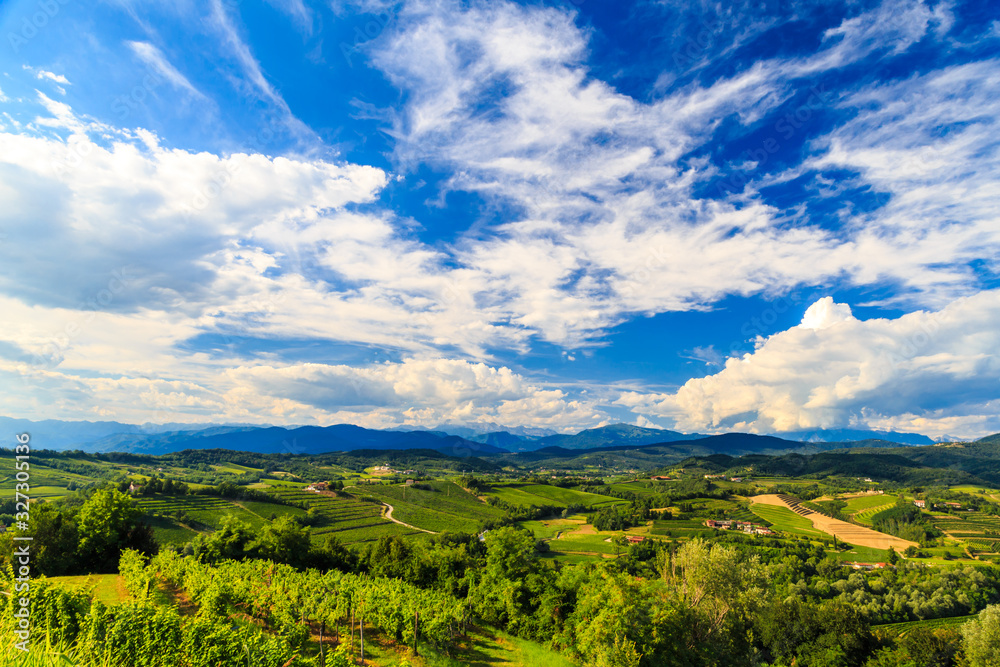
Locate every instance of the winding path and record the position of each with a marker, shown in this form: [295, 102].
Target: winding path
[388, 515]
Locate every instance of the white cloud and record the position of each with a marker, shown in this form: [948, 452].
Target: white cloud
[928, 143]
[609, 224]
[414, 392]
[298, 11]
[153, 57]
[43, 74]
[926, 372]
[825, 313]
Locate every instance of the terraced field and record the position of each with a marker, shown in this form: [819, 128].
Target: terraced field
[978, 530]
[447, 507]
[863, 503]
[864, 517]
[785, 520]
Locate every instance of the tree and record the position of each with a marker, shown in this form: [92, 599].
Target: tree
[56, 540]
[723, 590]
[284, 541]
[108, 523]
[981, 638]
[931, 648]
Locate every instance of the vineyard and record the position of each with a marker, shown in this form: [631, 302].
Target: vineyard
[209, 511]
[543, 494]
[444, 506]
[349, 519]
[975, 529]
[862, 503]
[865, 516]
[252, 613]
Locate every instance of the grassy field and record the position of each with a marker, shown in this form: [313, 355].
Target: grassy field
[785, 520]
[638, 488]
[985, 492]
[861, 554]
[585, 543]
[549, 528]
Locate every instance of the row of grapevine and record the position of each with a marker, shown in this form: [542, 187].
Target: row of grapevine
[254, 613]
[140, 634]
[294, 602]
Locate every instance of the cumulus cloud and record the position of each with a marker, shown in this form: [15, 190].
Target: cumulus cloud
[175, 220]
[413, 392]
[932, 372]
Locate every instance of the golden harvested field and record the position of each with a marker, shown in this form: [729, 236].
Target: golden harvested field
[846, 532]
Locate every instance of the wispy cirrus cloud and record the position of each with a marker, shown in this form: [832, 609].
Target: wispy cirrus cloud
[155, 58]
[222, 21]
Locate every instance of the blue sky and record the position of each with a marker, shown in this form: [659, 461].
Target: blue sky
[766, 217]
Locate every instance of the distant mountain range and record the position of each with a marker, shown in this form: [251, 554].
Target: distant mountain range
[627, 434]
[848, 434]
[455, 440]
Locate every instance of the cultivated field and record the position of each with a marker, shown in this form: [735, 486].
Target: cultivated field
[785, 520]
[348, 519]
[447, 507]
[543, 494]
[847, 532]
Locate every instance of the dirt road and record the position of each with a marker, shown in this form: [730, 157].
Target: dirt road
[388, 515]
